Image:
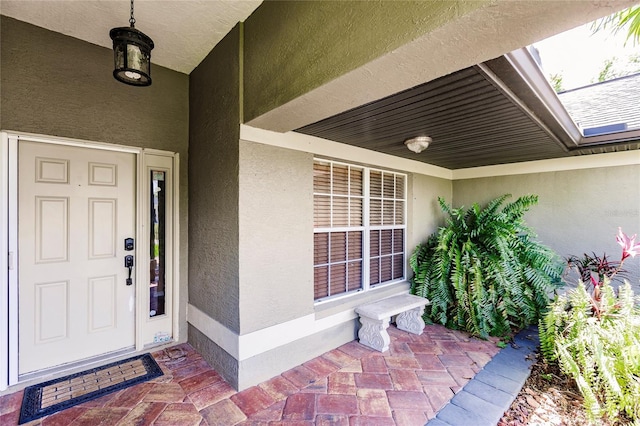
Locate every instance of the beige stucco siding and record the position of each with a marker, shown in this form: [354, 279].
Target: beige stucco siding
[424, 214]
[578, 212]
[276, 235]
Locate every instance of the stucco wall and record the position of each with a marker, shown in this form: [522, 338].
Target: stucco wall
[56, 85]
[276, 238]
[213, 172]
[425, 215]
[578, 211]
[214, 122]
[291, 45]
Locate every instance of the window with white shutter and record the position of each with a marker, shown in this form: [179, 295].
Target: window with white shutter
[359, 228]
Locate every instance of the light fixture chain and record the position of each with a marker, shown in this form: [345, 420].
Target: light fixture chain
[132, 20]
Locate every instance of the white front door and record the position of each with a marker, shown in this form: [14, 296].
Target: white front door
[76, 206]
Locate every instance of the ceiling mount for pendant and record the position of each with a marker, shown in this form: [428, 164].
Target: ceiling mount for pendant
[131, 54]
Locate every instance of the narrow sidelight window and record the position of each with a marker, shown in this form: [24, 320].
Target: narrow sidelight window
[157, 244]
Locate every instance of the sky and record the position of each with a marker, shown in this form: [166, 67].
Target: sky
[579, 56]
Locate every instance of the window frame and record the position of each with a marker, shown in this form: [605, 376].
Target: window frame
[366, 228]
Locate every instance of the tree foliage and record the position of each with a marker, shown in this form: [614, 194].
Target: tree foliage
[616, 68]
[625, 20]
[483, 272]
[556, 82]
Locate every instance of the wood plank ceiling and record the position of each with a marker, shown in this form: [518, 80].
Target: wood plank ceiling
[470, 118]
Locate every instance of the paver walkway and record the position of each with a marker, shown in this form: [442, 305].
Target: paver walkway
[350, 385]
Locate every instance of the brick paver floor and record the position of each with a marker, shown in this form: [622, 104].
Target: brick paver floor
[350, 385]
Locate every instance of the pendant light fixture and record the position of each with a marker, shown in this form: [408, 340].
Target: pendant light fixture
[132, 54]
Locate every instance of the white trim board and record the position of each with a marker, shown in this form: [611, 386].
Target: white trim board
[5, 264]
[592, 161]
[245, 346]
[73, 142]
[319, 146]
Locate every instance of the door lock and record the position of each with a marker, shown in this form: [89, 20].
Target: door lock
[128, 263]
[128, 244]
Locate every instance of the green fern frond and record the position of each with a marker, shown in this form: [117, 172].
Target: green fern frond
[483, 271]
[602, 353]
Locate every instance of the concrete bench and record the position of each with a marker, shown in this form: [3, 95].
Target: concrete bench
[375, 318]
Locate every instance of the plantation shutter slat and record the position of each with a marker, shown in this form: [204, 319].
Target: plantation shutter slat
[321, 281]
[374, 243]
[388, 186]
[321, 211]
[340, 211]
[320, 248]
[338, 278]
[355, 215]
[387, 212]
[375, 212]
[400, 187]
[374, 270]
[398, 266]
[399, 213]
[398, 240]
[356, 182]
[375, 184]
[385, 269]
[354, 275]
[338, 246]
[340, 180]
[322, 178]
[386, 242]
[355, 245]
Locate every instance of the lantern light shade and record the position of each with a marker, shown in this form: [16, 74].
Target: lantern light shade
[132, 56]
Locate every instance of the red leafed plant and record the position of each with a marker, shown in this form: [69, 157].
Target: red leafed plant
[595, 269]
[595, 338]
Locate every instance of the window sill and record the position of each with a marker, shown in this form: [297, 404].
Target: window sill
[348, 302]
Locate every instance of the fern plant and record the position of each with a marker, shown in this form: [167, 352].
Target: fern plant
[483, 272]
[595, 337]
[601, 352]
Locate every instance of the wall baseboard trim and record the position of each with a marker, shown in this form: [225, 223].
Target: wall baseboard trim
[245, 346]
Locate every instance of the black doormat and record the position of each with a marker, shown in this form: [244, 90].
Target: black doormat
[56, 395]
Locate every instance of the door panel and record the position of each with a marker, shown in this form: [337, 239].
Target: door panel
[52, 229]
[76, 206]
[102, 228]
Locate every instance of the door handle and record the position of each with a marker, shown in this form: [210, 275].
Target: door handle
[128, 263]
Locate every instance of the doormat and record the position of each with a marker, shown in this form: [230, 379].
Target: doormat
[56, 395]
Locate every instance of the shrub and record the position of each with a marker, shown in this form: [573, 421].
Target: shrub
[595, 338]
[587, 265]
[483, 272]
[601, 352]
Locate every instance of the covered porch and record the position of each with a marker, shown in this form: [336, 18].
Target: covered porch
[349, 385]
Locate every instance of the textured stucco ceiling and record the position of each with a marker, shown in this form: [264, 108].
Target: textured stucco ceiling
[184, 32]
